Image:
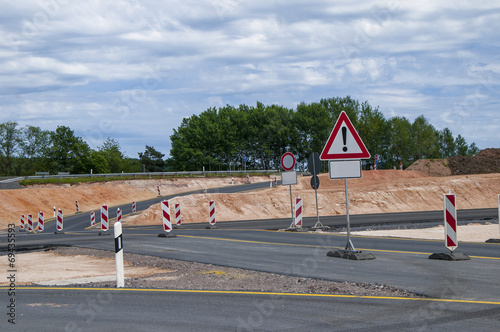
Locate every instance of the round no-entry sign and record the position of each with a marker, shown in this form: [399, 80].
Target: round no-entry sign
[288, 161]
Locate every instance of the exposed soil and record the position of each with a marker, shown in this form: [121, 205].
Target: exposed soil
[376, 192]
[431, 167]
[486, 161]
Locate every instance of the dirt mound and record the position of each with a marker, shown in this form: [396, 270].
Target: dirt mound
[431, 167]
[486, 161]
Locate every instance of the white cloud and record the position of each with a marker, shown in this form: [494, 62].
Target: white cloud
[108, 68]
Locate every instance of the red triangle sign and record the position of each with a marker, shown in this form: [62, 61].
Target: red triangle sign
[344, 142]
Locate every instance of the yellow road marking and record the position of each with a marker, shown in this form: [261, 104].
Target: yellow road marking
[261, 293]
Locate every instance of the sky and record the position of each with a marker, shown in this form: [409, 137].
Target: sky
[132, 70]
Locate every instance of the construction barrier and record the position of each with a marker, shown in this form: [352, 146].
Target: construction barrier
[211, 206]
[158, 189]
[248, 178]
[118, 215]
[275, 181]
[450, 221]
[92, 218]
[30, 223]
[40, 221]
[177, 214]
[104, 218]
[134, 207]
[59, 220]
[167, 224]
[77, 206]
[205, 191]
[22, 221]
[298, 212]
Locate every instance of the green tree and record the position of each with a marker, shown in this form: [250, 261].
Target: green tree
[9, 138]
[152, 159]
[447, 145]
[400, 143]
[111, 152]
[425, 139]
[34, 144]
[69, 153]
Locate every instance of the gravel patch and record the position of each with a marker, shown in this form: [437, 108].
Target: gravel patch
[197, 276]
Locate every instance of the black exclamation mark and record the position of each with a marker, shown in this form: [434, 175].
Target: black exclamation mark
[344, 137]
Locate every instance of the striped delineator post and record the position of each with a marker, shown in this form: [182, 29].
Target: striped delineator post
[134, 207]
[177, 214]
[120, 275]
[77, 206]
[211, 206]
[298, 212]
[40, 221]
[59, 220]
[158, 189]
[30, 223]
[167, 224]
[92, 218]
[104, 218]
[450, 222]
[22, 221]
[248, 178]
[118, 215]
[275, 181]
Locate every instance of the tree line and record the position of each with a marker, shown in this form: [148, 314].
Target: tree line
[24, 151]
[256, 137]
[230, 138]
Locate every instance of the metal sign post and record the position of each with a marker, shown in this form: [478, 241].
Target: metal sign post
[344, 149]
[314, 166]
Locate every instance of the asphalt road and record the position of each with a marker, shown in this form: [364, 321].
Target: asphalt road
[153, 310]
[254, 245]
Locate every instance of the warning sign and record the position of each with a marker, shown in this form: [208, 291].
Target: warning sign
[344, 142]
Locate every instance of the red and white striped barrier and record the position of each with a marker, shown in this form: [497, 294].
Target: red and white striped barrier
[400, 165]
[134, 207]
[158, 189]
[177, 214]
[30, 223]
[167, 224]
[211, 206]
[59, 220]
[298, 212]
[77, 206]
[248, 178]
[40, 221]
[92, 218]
[104, 218]
[450, 221]
[275, 181]
[22, 221]
[205, 191]
[118, 215]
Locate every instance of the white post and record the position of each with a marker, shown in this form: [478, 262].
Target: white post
[120, 275]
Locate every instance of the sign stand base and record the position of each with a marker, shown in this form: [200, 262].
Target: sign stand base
[450, 256]
[493, 241]
[168, 235]
[177, 227]
[350, 254]
[211, 227]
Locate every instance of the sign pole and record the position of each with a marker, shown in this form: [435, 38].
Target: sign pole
[349, 245]
[292, 225]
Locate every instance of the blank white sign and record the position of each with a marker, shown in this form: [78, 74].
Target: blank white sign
[289, 178]
[341, 169]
